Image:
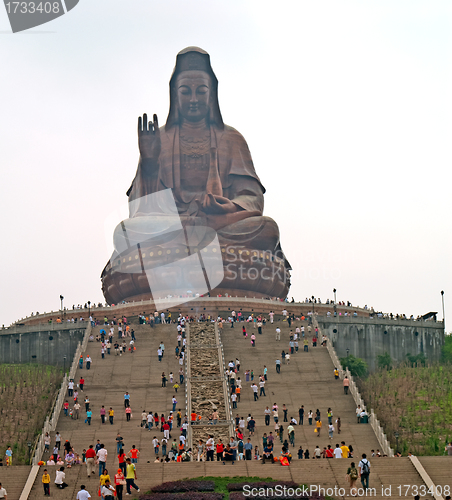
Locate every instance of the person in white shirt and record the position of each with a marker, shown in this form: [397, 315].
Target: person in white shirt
[3, 494]
[278, 333]
[358, 413]
[337, 452]
[364, 471]
[107, 491]
[210, 448]
[262, 388]
[102, 458]
[60, 475]
[254, 387]
[83, 494]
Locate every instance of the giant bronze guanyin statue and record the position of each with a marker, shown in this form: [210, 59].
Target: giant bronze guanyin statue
[195, 197]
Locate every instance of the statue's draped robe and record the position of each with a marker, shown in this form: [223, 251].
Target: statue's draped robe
[239, 182]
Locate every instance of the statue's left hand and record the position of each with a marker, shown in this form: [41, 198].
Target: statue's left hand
[214, 204]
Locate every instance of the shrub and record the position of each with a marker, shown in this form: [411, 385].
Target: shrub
[180, 486]
[188, 495]
[357, 366]
[384, 361]
[260, 484]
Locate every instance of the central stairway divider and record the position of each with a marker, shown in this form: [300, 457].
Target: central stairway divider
[207, 387]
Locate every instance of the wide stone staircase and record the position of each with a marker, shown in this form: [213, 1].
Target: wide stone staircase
[13, 479]
[308, 380]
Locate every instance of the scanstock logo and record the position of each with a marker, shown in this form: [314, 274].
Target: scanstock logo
[28, 14]
[181, 259]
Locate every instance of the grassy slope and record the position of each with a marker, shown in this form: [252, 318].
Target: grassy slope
[26, 394]
[416, 402]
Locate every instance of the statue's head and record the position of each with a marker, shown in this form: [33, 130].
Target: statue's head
[194, 89]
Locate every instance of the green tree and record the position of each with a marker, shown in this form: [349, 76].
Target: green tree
[417, 360]
[446, 350]
[384, 361]
[357, 366]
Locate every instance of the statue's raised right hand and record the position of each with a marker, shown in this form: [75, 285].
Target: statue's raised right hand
[149, 138]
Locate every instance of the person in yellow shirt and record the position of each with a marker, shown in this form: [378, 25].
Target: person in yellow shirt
[103, 477]
[131, 475]
[46, 483]
[318, 427]
[344, 449]
[111, 414]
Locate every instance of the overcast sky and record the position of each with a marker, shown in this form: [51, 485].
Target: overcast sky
[345, 105]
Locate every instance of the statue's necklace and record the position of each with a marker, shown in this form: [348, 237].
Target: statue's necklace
[195, 146]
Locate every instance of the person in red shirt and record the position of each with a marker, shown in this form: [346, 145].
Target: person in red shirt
[90, 456]
[314, 341]
[220, 449]
[122, 461]
[81, 383]
[66, 408]
[134, 454]
[193, 417]
[329, 452]
[166, 429]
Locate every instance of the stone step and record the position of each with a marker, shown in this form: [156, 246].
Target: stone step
[13, 479]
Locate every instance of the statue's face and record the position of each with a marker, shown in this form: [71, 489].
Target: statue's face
[193, 95]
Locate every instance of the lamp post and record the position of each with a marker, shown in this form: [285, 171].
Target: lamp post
[61, 300]
[64, 364]
[347, 350]
[29, 451]
[335, 312]
[89, 308]
[313, 306]
[442, 299]
[396, 435]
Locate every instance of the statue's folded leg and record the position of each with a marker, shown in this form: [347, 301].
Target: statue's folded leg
[258, 232]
